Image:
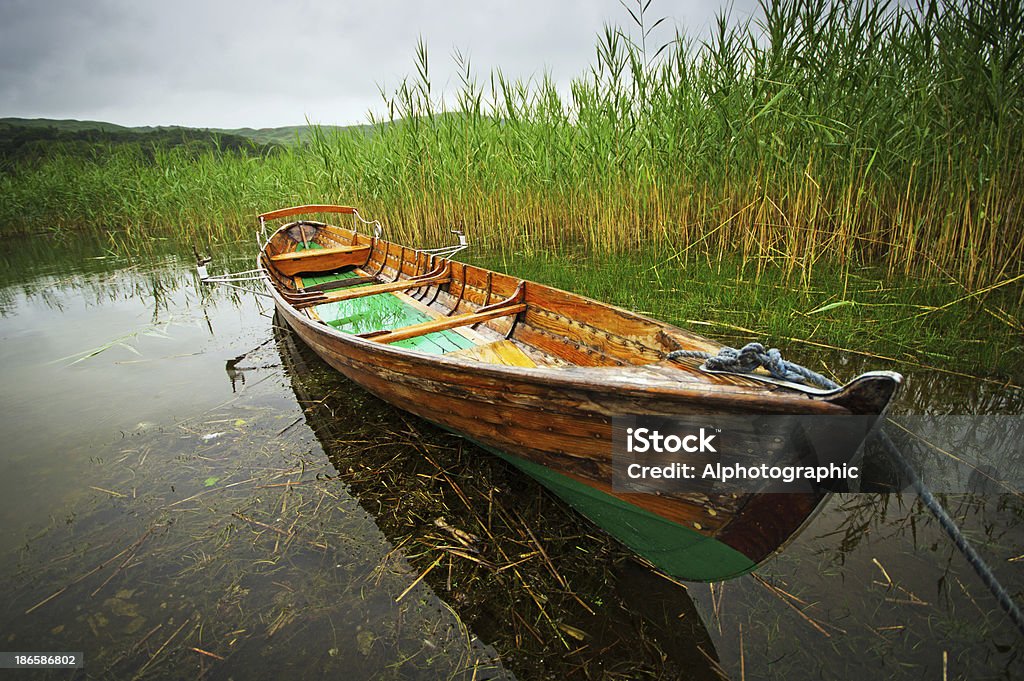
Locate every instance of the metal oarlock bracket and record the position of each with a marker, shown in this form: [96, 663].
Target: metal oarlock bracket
[378, 229]
[448, 251]
[230, 280]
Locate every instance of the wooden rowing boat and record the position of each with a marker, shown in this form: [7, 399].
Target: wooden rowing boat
[536, 375]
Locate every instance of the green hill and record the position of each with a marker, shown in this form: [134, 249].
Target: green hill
[288, 134]
[33, 143]
[284, 135]
[66, 125]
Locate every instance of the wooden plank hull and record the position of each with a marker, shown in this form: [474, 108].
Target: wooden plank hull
[555, 422]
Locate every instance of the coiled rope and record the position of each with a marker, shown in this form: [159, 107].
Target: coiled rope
[754, 355]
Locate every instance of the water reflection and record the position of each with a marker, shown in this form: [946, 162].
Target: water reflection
[236, 373]
[153, 505]
[169, 527]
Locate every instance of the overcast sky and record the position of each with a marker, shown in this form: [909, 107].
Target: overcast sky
[268, 63]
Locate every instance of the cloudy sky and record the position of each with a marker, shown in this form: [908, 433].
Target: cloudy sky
[266, 63]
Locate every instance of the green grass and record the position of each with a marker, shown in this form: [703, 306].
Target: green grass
[879, 322]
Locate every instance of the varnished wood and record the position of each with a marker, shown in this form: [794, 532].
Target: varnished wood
[306, 210]
[320, 259]
[462, 292]
[499, 352]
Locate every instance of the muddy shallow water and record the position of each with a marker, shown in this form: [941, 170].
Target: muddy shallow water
[190, 493]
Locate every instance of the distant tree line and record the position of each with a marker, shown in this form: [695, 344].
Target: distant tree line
[21, 145]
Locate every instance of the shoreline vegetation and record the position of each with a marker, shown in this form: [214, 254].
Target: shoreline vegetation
[847, 174]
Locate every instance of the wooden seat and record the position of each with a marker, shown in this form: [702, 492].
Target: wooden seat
[482, 315]
[320, 259]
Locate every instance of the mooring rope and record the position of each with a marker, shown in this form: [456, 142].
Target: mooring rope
[982, 569]
[754, 355]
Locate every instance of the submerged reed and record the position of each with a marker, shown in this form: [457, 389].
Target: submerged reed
[861, 132]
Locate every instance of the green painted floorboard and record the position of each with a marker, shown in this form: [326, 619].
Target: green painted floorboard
[384, 311]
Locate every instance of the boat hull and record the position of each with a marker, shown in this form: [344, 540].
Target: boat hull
[561, 435]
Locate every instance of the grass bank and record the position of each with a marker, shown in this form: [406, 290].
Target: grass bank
[933, 328]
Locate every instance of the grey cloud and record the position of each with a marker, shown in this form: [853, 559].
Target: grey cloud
[266, 63]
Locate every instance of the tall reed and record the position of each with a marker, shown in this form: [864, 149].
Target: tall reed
[857, 131]
[848, 132]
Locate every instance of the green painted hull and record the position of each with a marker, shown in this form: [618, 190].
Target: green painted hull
[676, 550]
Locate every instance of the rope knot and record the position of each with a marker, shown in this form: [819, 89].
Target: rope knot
[746, 359]
[752, 356]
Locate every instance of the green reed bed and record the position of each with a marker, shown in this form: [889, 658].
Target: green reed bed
[812, 131]
[152, 192]
[806, 143]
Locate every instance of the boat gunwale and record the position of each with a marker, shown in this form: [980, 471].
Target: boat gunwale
[634, 380]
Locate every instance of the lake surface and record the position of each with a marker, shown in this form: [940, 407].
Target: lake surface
[189, 493]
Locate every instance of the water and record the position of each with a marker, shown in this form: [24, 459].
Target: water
[190, 493]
